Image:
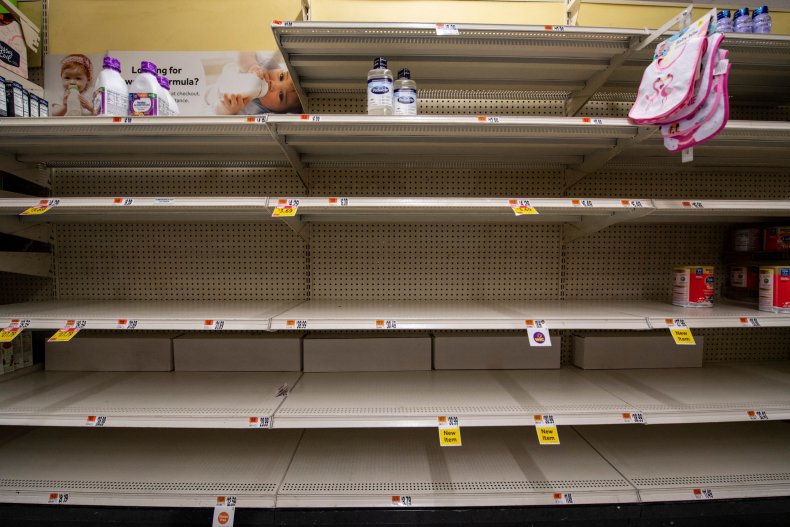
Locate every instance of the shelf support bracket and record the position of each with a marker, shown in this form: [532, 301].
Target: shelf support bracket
[578, 99]
[590, 224]
[300, 227]
[32, 264]
[33, 173]
[37, 232]
[597, 160]
[302, 172]
[572, 12]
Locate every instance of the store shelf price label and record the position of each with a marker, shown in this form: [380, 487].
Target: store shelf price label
[490, 119]
[123, 202]
[214, 325]
[449, 431]
[693, 204]
[257, 120]
[546, 428]
[96, 421]
[563, 498]
[703, 494]
[592, 120]
[750, 322]
[681, 333]
[13, 330]
[538, 333]
[295, 324]
[634, 417]
[58, 498]
[554, 28]
[311, 118]
[122, 120]
[401, 501]
[43, 206]
[757, 415]
[259, 422]
[124, 323]
[521, 207]
[586, 203]
[224, 511]
[632, 203]
[444, 30]
[69, 331]
[285, 208]
[338, 202]
[386, 324]
[287, 23]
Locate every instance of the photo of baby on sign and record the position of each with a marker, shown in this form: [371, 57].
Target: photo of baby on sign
[201, 83]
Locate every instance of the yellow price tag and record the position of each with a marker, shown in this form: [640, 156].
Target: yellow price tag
[683, 337]
[449, 431]
[546, 430]
[35, 211]
[64, 335]
[9, 334]
[284, 212]
[522, 207]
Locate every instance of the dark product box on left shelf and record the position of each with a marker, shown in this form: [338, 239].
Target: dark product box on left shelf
[14, 99]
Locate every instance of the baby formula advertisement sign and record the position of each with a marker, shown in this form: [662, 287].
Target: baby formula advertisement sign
[201, 83]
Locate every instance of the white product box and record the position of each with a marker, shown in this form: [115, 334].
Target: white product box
[627, 351]
[111, 352]
[481, 351]
[7, 357]
[366, 352]
[238, 352]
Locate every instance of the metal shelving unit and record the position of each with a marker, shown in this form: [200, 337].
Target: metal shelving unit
[143, 468]
[683, 463]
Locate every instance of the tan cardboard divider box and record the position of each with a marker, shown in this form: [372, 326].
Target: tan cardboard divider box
[634, 350]
[111, 352]
[238, 352]
[326, 352]
[480, 351]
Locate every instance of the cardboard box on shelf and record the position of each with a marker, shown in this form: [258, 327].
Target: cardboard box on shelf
[13, 51]
[111, 352]
[367, 352]
[481, 351]
[630, 351]
[6, 357]
[238, 352]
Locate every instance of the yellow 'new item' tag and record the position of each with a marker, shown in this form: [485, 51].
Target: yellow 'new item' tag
[64, 335]
[546, 430]
[9, 334]
[449, 431]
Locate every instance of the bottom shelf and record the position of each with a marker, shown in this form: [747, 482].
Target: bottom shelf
[386, 468]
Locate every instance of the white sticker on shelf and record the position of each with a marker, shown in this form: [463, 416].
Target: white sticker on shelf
[386, 324]
[554, 28]
[258, 119]
[563, 498]
[757, 415]
[633, 417]
[164, 201]
[631, 203]
[295, 324]
[259, 422]
[703, 494]
[224, 511]
[592, 120]
[692, 204]
[309, 117]
[122, 120]
[401, 501]
[124, 323]
[447, 29]
[96, 421]
[58, 498]
[721, 67]
[680, 331]
[750, 322]
[538, 333]
[215, 325]
[287, 23]
[337, 202]
[490, 119]
[586, 203]
[123, 202]
[69, 331]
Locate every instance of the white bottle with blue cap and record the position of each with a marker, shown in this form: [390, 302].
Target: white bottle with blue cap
[761, 20]
[404, 100]
[380, 88]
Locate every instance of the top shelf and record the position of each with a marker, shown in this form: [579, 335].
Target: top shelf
[508, 61]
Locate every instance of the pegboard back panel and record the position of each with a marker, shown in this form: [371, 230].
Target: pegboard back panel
[634, 262]
[442, 106]
[20, 288]
[179, 262]
[682, 184]
[435, 262]
[175, 181]
[451, 182]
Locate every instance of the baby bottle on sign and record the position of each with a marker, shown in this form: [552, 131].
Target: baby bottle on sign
[73, 105]
[379, 88]
[242, 83]
[143, 93]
